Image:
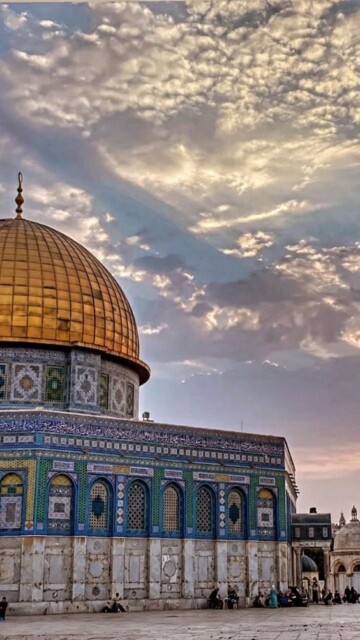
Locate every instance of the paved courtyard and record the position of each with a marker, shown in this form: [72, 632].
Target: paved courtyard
[312, 623]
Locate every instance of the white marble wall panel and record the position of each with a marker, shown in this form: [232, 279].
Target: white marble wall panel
[204, 567]
[58, 569]
[267, 565]
[98, 569]
[171, 568]
[136, 568]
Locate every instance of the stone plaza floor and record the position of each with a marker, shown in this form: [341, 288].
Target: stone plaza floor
[311, 623]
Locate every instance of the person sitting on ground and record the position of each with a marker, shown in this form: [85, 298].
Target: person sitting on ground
[328, 598]
[215, 601]
[337, 598]
[258, 602]
[232, 597]
[116, 605]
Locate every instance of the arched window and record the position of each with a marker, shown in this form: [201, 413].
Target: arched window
[100, 507]
[172, 510]
[235, 525]
[137, 508]
[356, 569]
[204, 511]
[61, 505]
[341, 568]
[266, 514]
[11, 502]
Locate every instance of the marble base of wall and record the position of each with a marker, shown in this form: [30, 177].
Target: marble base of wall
[57, 574]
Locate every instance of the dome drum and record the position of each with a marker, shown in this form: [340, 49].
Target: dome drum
[74, 379]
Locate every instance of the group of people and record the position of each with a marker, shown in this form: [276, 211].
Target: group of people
[350, 596]
[217, 602]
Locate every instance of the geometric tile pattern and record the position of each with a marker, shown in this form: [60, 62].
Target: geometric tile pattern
[120, 503]
[26, 382]
[204, 511]
[118, 396]
[85, 385]
[136, 507]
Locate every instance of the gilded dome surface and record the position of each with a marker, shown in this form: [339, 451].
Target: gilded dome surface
[54, 291]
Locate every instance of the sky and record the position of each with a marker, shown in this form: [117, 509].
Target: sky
[207, 151]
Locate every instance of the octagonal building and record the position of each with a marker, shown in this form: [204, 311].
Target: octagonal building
[93, 501]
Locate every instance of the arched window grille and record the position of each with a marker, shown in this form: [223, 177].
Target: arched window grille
[356, 568]
[266, 514]
[11, 502]
[204, 511]
[137, 508]
[235, 525]
[61, 504]
[100, 507]
[172, 510]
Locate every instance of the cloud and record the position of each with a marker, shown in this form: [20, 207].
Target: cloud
[148, 330]
[249, 245]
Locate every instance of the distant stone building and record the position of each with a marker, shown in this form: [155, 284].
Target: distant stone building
[311, 531]
[92, 500]
[345, 558]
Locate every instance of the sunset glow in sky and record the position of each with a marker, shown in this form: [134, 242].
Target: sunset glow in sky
[207, 151]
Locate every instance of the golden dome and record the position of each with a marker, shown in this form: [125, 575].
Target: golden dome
[55, 292]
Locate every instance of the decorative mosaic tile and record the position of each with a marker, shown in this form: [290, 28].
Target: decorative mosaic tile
[265, 517]
[86, 385]
[133, 431]
[10, 512]
[26, 382]
[118, 396]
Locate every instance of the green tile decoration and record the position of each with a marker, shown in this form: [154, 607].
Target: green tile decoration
[80, 468]
[281, 503]
[55, 384]
[158, 476]
[254, 481]
[188, 477]
[45, 466]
